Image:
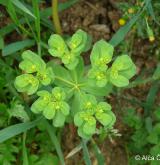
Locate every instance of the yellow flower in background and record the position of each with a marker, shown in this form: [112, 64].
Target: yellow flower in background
[122, 21]
[151, 38]
[131, 11]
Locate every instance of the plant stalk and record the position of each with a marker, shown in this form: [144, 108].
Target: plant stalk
[55, 17]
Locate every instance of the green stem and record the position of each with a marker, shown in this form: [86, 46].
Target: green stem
[55, 16]
[86, 153]
[51, 132]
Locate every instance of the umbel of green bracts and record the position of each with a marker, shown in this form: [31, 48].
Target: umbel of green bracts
[120, 72]
[52, 105]
[90, 113]
[69, 52]
[35, 73]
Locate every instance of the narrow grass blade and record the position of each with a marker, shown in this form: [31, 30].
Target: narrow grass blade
[51, 132]
[122, 32]
[37, 23]
[22, 7]
[86, 153]
[16, 129]
[16, 46]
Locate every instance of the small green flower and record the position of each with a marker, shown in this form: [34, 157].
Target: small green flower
[88, 103]
[70, 60]
[68, 52]
[85, 119]
[78, 42]
[104, 114]
[98, 76]
[52, 106]
[57, 46]
[46, 76]
[31, 62]
[101, 55]
[121, 71]
[26, 83]
[86, 124]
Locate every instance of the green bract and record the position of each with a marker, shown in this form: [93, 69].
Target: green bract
[101, 55]
[119, 74]
[70, 51]
[26, 83]
[122, 70]
[76, 88]
[90, 113]
[52, 106]
[32, 63]
[98, 76]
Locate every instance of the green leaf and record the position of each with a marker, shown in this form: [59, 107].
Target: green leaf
[16, 129]
[17, 46]
[89, 128]
[98, 91]
[153, 138]
[65, 108]
[79, 70]
[17, 110]
[119, 81]
[62, 76]
[40, 104]
[59, 119]
[1, 43]
[22, 7]
[156, 74]
[104, 119]
[151, 97]
[49, 111]
[78, 121]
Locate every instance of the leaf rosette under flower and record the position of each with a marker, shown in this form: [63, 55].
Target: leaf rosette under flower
[121, 71]
[52, 106]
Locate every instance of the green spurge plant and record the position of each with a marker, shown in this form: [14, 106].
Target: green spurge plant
[74, 92]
